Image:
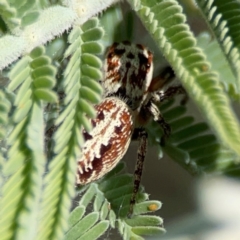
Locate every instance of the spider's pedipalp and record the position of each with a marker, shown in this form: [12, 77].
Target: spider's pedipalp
[157, 117]
[171, 92]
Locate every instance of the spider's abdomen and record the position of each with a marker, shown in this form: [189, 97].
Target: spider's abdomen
[107, 142]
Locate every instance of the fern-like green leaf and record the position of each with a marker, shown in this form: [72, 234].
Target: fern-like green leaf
[223, 18]
[87, 227]
[192, 145]
[190, 65]
[19, 13]
[24, 168]
[110, 199]
[219, 63]
[82, 66]
[9, 15]
[4, 109]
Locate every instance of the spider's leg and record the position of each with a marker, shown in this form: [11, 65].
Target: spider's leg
[142, 149]
[165, 77]
[161, 96]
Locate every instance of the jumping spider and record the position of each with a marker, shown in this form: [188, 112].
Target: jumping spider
[131, 99]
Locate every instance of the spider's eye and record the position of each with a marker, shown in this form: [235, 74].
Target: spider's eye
[144, 61]
[119, 52]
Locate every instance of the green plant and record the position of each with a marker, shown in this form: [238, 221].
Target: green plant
[50, 61]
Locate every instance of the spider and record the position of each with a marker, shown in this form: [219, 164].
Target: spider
[130, 101]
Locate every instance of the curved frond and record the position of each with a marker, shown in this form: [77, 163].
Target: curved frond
[81, 92]
[223, 19]
[179, 47]
[24, 168]
[110, 199]
[192, 145]
[36, 26]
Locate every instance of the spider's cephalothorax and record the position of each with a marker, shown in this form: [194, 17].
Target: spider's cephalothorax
[128, 72]
[130, 101]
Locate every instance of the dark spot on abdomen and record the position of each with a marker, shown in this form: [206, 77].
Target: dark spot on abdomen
[118, 130]
[104, 149]
[101, 115]
[87, 136]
